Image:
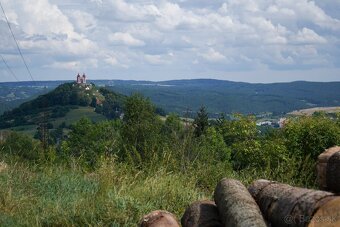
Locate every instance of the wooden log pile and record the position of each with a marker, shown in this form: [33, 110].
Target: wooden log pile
[328, 170]
[159, 218]
[202, 213]
[284, 205]
[265, 203]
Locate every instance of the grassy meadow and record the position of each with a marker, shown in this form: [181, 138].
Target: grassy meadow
[111, 173]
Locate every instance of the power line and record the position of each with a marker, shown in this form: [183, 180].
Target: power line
[8, 68]
[16, 42]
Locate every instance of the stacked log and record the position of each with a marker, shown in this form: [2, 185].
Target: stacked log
[201, 214]
[328, 170]
[159, 218]
[264, 203]
[284, 205]
[236, 206]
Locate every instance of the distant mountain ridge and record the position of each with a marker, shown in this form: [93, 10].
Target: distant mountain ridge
[228, 97]
[222, 96]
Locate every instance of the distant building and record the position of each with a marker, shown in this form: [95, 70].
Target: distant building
[81, 79]
[264, 123]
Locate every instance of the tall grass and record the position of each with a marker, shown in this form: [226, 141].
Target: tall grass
[116, 193]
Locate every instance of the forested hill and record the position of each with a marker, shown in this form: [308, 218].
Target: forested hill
[226, 96]
[217, 95]
[59, 101]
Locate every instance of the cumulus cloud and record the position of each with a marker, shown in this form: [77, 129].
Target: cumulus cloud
[308, 36]
[185, 36]
[125, 39]
[213, 56]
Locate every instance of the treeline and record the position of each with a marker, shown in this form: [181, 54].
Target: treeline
[141, 138]
[230, 97]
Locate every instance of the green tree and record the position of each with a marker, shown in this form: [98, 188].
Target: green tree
[201, 122]
[141, 125]
[213, 147]
[311, 135]
[23, 146]
[240, 129]
[90, 141]
[173, 125]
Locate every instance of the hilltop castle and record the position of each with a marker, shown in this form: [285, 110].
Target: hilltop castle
[81, 79]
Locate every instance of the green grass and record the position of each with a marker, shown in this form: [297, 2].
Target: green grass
[75, 115]
[26, 129]
[71, 117]
[113, 195]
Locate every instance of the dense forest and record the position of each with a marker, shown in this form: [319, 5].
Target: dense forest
[186, 96]
[112, 172]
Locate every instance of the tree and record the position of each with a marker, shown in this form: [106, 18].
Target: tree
[241, 129]
[173, 127]
[141, 126]
[311, 135]
[90, 141]
[201, 122]
[23, 146]
[212, 146]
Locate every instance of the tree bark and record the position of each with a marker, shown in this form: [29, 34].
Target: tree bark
[328, 170]
[284, 205]
[236, 206]
[201, 214]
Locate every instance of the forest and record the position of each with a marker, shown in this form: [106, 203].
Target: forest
[114, 171]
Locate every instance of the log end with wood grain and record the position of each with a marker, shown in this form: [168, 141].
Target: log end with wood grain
[201, 214]
[159, 218]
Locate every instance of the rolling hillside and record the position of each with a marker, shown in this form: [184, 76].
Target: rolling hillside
[218, 96]
[65, 104]
[229, 97]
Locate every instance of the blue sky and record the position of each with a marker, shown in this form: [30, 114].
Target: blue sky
[239, 40]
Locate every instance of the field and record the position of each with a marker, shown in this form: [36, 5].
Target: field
[310, 111]
[71, 117]
[76, 114]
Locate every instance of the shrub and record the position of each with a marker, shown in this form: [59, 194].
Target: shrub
[23, 146]
[311, 135]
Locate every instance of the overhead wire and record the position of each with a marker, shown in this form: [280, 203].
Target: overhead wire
[16, 42]
[9, 69]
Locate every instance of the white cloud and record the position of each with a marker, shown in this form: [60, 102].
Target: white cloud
[125, 39]
[213, 56]
[182, 36]
[156, 59]
[308, 36]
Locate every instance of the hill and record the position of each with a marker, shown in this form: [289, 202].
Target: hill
[229, 97]
[311, 111]
[186, 96]
[59, 102]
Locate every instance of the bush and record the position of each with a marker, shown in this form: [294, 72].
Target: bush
[90, 141]
[22, 146]
[311, 135]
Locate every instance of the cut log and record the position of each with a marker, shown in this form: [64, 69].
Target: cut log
[159, 218]
[326, 216]
[201, 214]
[284, 205]
[328, 170]
[236, 206]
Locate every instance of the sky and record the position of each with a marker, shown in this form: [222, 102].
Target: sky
[240, 40]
